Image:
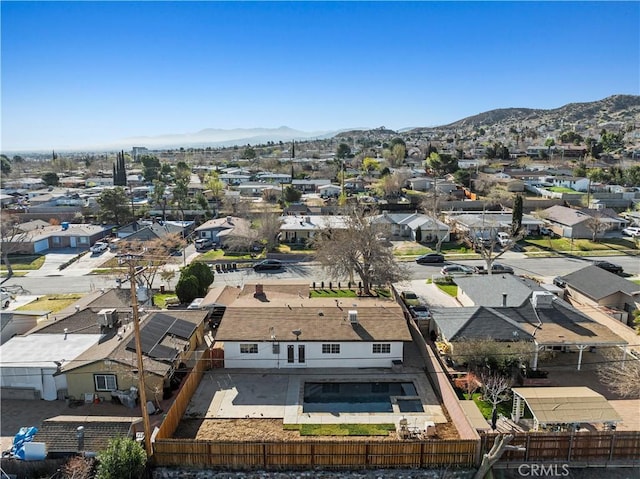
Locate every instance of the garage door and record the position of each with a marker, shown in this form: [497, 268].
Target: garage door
[40, 246]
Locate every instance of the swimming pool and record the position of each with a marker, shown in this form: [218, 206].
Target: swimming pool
[360, 397]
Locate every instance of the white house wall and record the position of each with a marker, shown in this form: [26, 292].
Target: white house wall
[352, 355]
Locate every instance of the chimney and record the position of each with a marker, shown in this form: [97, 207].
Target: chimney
[66, 331]
[504, 300]
[308, 219]
[259, 290]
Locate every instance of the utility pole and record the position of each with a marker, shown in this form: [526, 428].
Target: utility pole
[130, 258]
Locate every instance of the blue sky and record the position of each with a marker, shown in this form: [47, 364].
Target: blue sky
[76, 74]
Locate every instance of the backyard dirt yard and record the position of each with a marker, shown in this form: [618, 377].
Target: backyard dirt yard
[272, 430]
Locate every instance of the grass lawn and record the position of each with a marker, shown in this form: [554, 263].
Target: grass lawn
[341, 429]
[606, 245]
[296, 249]
[450, 289]
[51, 302]
[562, 189]
[25, 262]
[16, 274]
[109, 270]
[486, 409]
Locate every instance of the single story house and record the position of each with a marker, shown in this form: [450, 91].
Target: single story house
[142, 230]
[495, 290]
[469, 222]
[14, 323]
[594, 286]
[579, 222]
[575, 183]
[301, 229]
[329, 191]
[311, 185]
[545, 321]
[406, 225]
[220, 230]
[66, 235]
[277, 325]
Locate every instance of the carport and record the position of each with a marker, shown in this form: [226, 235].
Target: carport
[563, 405]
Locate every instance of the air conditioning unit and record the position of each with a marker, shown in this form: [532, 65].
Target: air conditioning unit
[107, 318]
[353, 316]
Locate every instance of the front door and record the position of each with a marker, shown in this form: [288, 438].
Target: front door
[72, 241]
[296, 356]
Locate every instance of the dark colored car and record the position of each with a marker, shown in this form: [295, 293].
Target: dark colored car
[268, 265]
[455, 269]
[611, 267]
[496, 268]
[559, 282]
[430, 258]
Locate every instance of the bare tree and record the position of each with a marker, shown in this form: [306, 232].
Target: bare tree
[267, 226]
[500, 445]
[623, 378]
[486, 242]
[357, 249]
[598, 225]
[496, 388]
[12, 239]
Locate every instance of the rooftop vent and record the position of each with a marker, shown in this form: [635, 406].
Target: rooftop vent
[353, 316]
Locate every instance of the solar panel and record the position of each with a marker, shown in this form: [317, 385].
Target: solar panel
[155, 330]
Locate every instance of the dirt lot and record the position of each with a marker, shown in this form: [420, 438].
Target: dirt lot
[272, 430]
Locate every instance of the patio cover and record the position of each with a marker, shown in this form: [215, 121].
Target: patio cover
[565, 405]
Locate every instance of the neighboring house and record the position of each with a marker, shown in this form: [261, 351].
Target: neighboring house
[66, 235]
[421, 183]
[575, 223]
[278, 326]
[575, 183]
[220, 230]
[30, 365]
[301, 229]
[59, 433]
[593, 286]
[254, 189]
[310, 186]
[6, 200]
[495, 290]
[270, 177]
[470, 222]
[405, 226]
[169, 342]
[329, 191]
[141, 230]
[14, 323]
[234, 179]
[545, 321]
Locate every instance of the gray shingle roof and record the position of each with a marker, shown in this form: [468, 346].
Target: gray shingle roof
[597, 283]
[488, 290]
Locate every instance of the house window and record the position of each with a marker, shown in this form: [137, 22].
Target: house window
[105, 382]
[250, 348]
[83, 239]
[56, 240]
[382, 348]
[330, 349]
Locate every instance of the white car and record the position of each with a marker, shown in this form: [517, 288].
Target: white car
[99, 247]
[5, 298]
[632, 231]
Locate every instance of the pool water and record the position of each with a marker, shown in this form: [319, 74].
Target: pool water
[357, 397]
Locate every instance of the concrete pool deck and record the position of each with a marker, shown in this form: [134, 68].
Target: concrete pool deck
[278, 394]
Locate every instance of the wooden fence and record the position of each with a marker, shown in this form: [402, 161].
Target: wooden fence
[310, 454]
[582, 448]
[179, 406]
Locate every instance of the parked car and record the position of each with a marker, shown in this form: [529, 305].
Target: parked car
[420, 311]
[203, 243]
[504, 239]
[268, 265]
[611, 267]
[544, 231]
[195, 304]
[410, 298]
[559, 282]
[496, 268]
[430, 258]
[5, 298]
[456, 270]
[99, 247]
[632, 231]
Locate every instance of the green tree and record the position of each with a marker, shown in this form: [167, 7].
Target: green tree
[248, 153]
[150, 167]
[203, 274]
[343, 151]
[516, 216]
[611, 141]
[370, 164]
[5, 165]
[114, 206]
[187, 288]
[291, 195]
[51, 179]
[124, 458]
[441, 164]
[463, 177]
[214, 185]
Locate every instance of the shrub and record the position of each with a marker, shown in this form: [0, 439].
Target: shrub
[187, 288]
[203, 275]
[124, 458]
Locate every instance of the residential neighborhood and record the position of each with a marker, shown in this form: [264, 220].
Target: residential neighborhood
[278, 297]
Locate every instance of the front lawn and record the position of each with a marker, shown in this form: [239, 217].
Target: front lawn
[450, 289]
[562, 189]
[162, 299]
[52, 303]
[603, 246]
[341, 429]
[24, 262]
